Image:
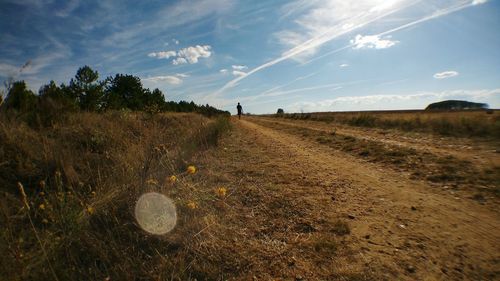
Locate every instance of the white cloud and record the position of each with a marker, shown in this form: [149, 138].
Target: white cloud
[239, 67]
[345, 18]
[193, 53]
[182, 75]
[239, 73]
[324, 21]
[178, 61]
[223, 71]
[343, 65]
[176, 42]
[479, 2]
[372, 42]
[445, 74]
[163, 54]
[319, 21]
[173, 80]
[388, 102]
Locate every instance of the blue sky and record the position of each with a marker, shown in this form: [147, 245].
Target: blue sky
[302, 55]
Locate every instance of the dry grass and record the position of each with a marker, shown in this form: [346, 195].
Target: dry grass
[422, 165]
[449, 123]
[82, 177]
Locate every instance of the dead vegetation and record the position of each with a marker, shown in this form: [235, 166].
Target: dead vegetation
[443, 170]
[467, 123]
[82, 177]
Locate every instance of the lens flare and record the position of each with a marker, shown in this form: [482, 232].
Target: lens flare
[155, 213]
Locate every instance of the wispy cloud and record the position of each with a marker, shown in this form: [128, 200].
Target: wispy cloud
[68, 9]
[348, 23]
[239, 73]
[335, 19]
[344, 65]
[172, 80]
[163, 54]
[239, 67]
[479, 2]
[182, 75]
[372, 42]
[445, 74]
[9, 70]
[376, 102]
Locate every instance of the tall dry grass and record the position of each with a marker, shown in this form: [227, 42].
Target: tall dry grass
[81, 177]
[472, 123]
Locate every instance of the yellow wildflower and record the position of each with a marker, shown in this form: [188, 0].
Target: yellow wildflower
[192, 205]
[152, 181]
[90, 210]
[41, 207]
[221, 191]
[191, 169]
[172, 179]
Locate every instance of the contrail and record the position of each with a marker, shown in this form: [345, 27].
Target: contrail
[326, 37]
[439, 13]
[314, 42]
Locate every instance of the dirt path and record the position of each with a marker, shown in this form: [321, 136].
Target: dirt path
[292, 201]
[482, 153]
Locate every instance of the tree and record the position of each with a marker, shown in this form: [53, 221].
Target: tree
[156, 98]
[86, 90]
[59, 94]
[20, 97]
[280, 111]
[53, 103]
[125, 91]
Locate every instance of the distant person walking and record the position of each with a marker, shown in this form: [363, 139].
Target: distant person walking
[240, 110]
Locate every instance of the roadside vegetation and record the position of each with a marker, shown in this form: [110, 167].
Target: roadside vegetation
[467, 123]
[85, 92]
[68, 193]
[73, 161]
[443, 170]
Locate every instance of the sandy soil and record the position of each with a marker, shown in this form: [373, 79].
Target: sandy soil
[289, 199]
[478, 151]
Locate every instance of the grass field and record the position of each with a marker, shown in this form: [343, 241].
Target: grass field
[68, 194]
[321, 196]
[472, 123]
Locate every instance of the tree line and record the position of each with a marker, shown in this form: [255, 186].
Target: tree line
[86, 93]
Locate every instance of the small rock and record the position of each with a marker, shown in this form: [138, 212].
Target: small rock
[402, 226]
[410, 269]
[299, 278]
[413, 208]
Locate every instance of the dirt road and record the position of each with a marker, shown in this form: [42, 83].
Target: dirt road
[298, 210]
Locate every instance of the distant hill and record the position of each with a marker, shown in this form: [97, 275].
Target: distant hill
[456, 104]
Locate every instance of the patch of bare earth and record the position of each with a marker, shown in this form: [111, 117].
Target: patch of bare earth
[297, 210]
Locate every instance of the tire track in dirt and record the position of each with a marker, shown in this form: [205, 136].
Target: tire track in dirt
[399, 228]
[482, 153]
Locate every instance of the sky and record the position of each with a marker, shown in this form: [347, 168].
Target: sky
[300, 55]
